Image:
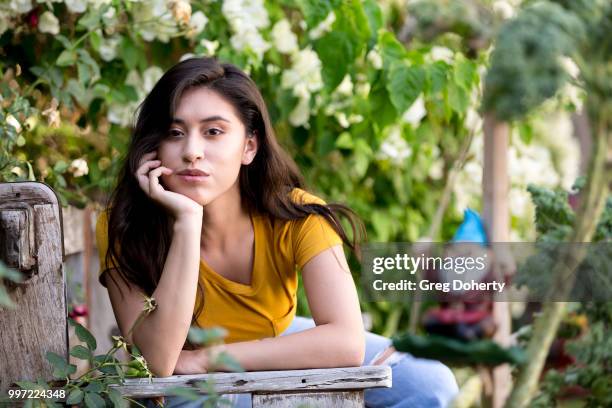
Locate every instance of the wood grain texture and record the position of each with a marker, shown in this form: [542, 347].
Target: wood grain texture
[319, 380]
[330, 399]
[38, 322]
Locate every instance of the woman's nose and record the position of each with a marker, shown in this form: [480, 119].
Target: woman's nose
[193, 150]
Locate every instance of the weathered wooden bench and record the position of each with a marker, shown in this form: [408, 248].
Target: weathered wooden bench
[31, 241]
[331, 387]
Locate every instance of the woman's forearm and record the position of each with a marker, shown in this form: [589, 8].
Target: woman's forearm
[327, 345]
[161, 335]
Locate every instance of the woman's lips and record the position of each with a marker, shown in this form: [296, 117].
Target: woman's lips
[192, 178]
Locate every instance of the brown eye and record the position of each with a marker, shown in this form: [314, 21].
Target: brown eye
[214, 131]
[175, 133]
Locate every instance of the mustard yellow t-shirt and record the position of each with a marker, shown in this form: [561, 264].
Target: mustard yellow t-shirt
[266, 307]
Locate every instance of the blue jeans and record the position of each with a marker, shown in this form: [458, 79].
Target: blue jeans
[417, 382]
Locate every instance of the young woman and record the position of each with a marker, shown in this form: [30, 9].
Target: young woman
[210, 218]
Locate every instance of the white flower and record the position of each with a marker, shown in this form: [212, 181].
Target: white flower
[210, 46]
[109, 14]
[76, 6]
[300, 114]
[438, 53]
[395, 148]
[181, 11]
[416, 112]
[569, 66]
[504, 9]
[120, 114]
[345, 87]
[342, 119]
[304, 76]
[375, 58]
[272, 69]
[78, 168]
[323, 27]
[48, 23]
[21, 6]
[251, 40]
[246, 17]
[154, 20]
[473, 121]
[11, 120]
[284, 39]
[198, 23]
[363, 89]
[241, 13]
[108, 48]
[436, 169]
[150, 77]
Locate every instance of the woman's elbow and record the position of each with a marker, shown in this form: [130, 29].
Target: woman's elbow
[162, 369]
[352, 352]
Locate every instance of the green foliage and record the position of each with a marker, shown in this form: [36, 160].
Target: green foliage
[593, 349]
[525, 65]
[9, 275]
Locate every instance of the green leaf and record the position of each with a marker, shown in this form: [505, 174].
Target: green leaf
[28, 385]
[81, 352]
[404, 85]
[65, 41]
[90, 20]
[228, 362]
[66, 58]
[129, 53]
[458, 98]
[117, 399]
[375, 17]
[206, 336]
[186, 393]
[94, 386]
[94, 400]
[61, 368]
[337, 53]
[84, 335]
[464, 71]
[75, 397]
[344, 141]
[391, 49]
[316, 11]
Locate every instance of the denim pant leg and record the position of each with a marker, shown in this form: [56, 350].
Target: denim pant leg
[417, 382]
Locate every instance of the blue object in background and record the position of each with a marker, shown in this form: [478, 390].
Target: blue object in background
[471, 229]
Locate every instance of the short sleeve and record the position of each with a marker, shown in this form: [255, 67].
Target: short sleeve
[313, 235]
[102, 242]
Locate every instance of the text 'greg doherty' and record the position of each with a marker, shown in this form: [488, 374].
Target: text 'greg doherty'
[426, 285]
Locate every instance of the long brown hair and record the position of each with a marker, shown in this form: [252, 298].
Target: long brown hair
[139, 232]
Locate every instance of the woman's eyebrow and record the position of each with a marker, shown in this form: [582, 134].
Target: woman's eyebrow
[208, 119]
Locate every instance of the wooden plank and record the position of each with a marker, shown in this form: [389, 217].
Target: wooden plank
[344, 399]
[350, 378]
[38, 322]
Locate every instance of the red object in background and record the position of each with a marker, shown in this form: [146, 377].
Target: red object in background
[79, 314]
[33, 18]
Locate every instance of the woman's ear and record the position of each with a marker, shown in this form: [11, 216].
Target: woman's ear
[250, 148]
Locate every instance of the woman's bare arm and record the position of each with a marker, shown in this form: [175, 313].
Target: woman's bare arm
[161, 335]
[338, 340]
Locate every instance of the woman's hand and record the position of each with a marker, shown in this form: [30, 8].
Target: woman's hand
[148, 173]
[191, 362]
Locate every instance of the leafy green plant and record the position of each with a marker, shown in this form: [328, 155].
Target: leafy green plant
[10, 275]
[94, 388]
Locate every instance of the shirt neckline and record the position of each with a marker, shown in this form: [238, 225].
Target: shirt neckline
[231, 285]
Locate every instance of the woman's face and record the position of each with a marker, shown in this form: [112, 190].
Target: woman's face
[205, 135]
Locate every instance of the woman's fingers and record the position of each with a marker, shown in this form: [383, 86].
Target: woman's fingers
[142, 174]
[154, 187]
